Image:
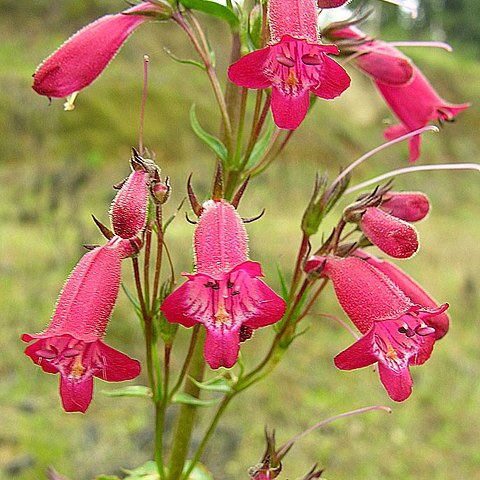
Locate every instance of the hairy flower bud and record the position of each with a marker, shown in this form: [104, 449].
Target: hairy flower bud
[128, 211]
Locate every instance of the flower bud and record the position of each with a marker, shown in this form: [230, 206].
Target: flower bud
[128, 212]
[161, 190]
[390, 234]
[408, 206]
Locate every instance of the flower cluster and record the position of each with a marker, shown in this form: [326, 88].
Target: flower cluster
[72, 344]
[399, 321]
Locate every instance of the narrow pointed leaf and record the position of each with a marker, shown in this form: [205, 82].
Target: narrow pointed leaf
[214, 9]
[215, 385]
[212, 142]
[184, 61]
[283, 282]
[187, 399]
[261, 146]
[130, 391]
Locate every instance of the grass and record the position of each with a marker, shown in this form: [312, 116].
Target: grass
[57, 169]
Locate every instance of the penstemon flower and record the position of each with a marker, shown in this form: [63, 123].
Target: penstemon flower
[225, 294]
[403, 86]
[294, 64]
[84, 56]
[72, 344]
[396, 331]
[411, 289]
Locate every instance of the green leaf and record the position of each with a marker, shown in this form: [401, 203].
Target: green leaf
[148, 471]
[212, 142]
[261, 146]
[133, 301]
[130, 391]
[283, 282]
[187, 399]
[184, 61]
[107, 477]
[214, 9]
[218, 384]
[199, 472]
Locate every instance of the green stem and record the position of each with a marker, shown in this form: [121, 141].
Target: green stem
[208, 434]
[187, 413]
[158, 262]
[147, 320]
[205, 57]
[186, 364]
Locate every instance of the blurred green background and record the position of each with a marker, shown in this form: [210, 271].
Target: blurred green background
[57, 168]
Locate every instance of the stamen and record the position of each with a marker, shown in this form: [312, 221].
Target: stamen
[285, 61]
[47, 354]
[71, 352]
[309, 59]
[424, 330]
[69, 105]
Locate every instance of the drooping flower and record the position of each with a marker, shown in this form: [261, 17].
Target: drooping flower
[403, 86]
[72, 344]
[396, 331]
[295, 64]
[84, 56]
[412, 290]
[225, 294]
[415, 105]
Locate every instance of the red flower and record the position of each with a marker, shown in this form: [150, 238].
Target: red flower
[72, 344]
[412, 290]
[224, 294]
[84, 56]
[416, 104]
[294, 65]
[403, 86]
[397, 332]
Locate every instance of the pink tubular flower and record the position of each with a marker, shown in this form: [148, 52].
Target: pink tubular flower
[412, 290]
[415, 105]
[129, 207]
[390, 234]
[396, 330]
[72, 344]
[408, 206]
[224, 294]
[294, 64]
[403, 86]
[84, 56]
